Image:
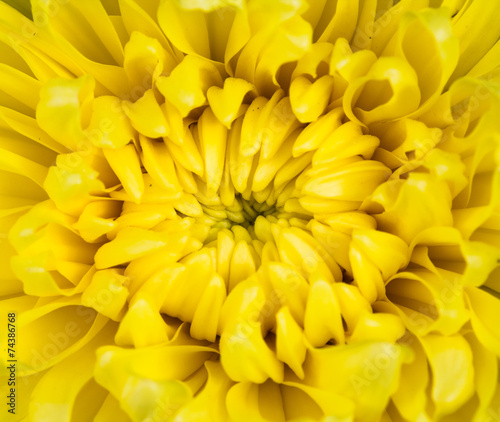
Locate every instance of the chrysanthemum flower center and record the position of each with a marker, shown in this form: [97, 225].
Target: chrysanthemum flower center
[243, 212]
[193, 216]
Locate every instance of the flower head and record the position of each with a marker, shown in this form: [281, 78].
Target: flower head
[252, 210]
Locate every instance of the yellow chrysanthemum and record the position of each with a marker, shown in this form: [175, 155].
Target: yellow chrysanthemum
[250, 210]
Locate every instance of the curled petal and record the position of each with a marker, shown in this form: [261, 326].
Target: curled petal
[388, 91]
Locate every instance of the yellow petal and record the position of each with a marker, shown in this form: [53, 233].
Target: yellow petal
[63, 104]
[158, 161]
[290, 345]
[351, 182]
[367, 373]
[243, 402]
[72, 184]
[107, 293]
[28, 127]
[72, 325]
[137, 19]
[388, 91]
[125, 163]
[242, 264]
[410, 398]
[12, 81]
[139, 313]
[346, 141]
[316, 133]
[241, 336]
[145, 57]
[290, 288]
[483, 305]
[111, 409]
[206, 317]
[211, 401]
[474, 43]
[109, 126]
[420, 199]
[143, 381]
[309, 100]
[450, 355]
[436, 57]
[213, 138]
[51, 398]
[16, 163]
[485, 368]
[71, 19]
[96, 220]
[303, 252]
[323, 321]
[146, 116]
[429, 302]
[227, 103]
[187, 29]
[134, 242]
[378, 327]
[186, 87]
[371, 263]
[346, 222]
[341, 24]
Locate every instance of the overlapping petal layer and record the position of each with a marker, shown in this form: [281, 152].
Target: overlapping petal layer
[252, 210]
